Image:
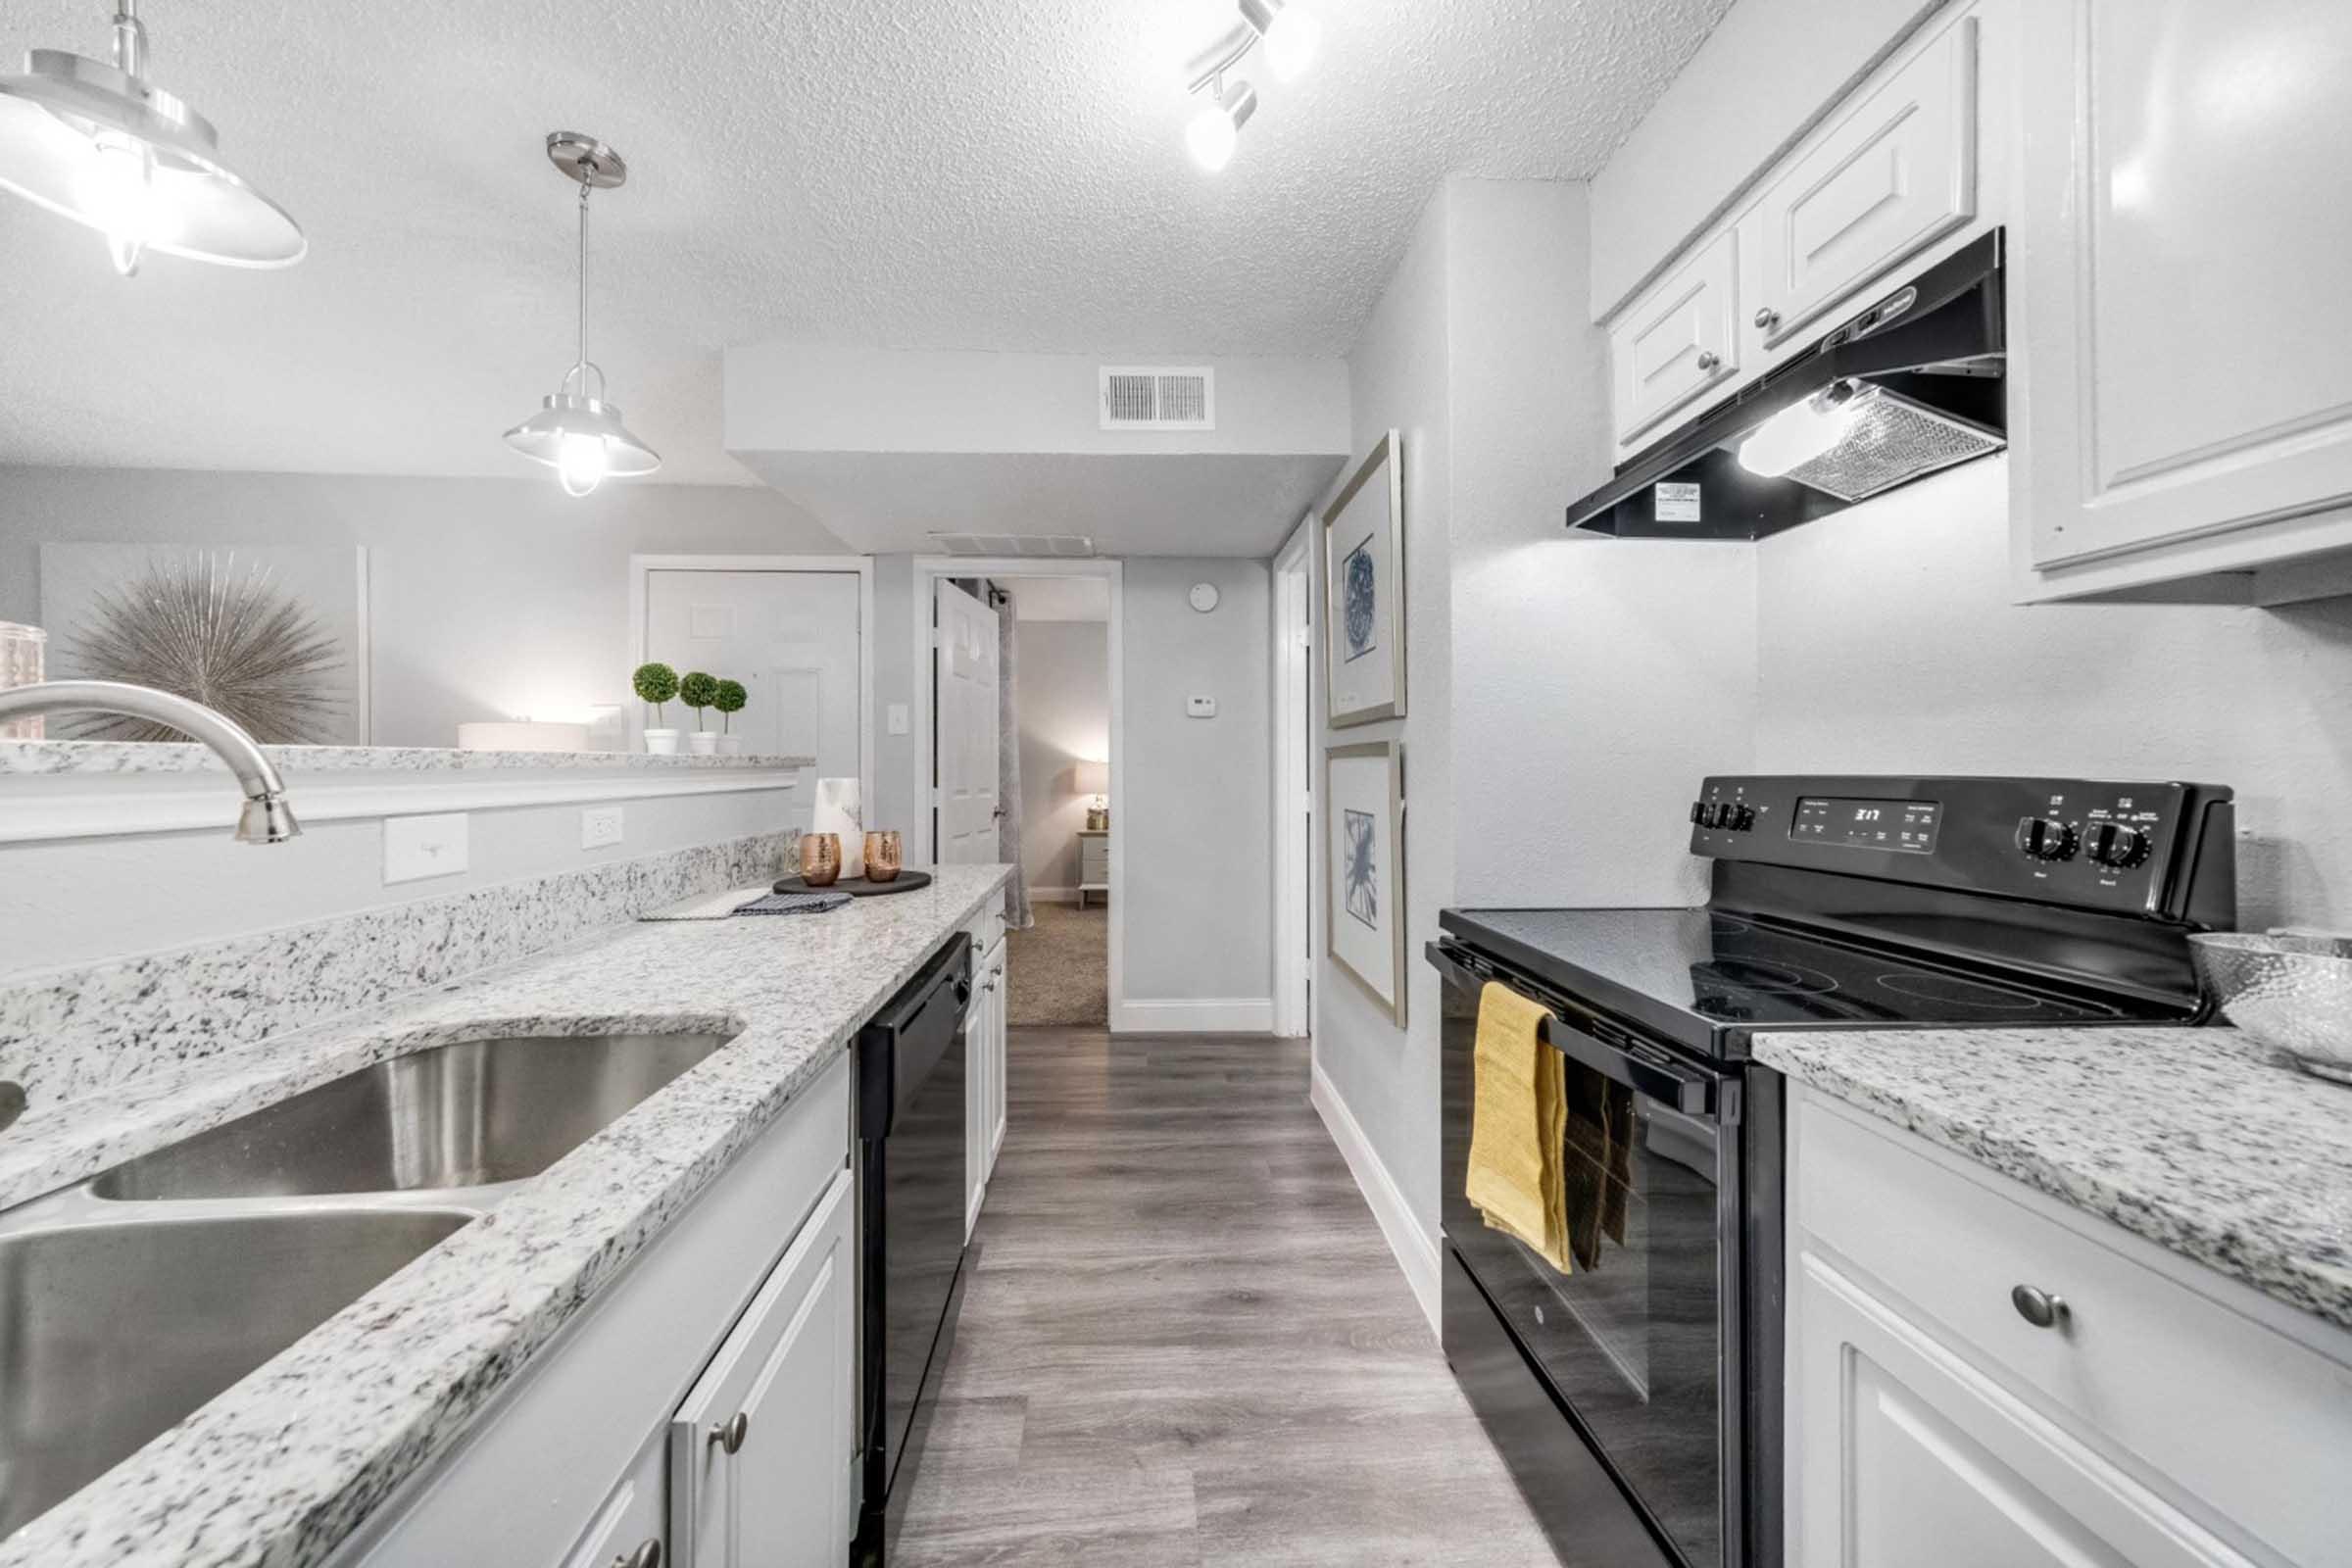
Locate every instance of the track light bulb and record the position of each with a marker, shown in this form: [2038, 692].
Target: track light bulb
[1292, 42]
[1216, 130]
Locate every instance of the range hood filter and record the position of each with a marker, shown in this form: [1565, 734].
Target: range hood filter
[1893, 439]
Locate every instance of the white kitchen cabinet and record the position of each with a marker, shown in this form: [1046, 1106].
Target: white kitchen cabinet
[985, 1043]
[2166, 1415]
[2178, 320]
[1678, 341]
[631, 1530]
[1889, 176]
[761, 1448]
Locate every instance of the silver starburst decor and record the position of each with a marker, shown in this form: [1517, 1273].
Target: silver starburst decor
[198, 627]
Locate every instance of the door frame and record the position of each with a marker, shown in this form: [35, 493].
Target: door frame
[928, 573]
[641, 568]
[1294, 663]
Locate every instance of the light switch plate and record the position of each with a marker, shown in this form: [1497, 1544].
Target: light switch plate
[599, 826]
[420, 847]
[1201, 706]
[899, 723]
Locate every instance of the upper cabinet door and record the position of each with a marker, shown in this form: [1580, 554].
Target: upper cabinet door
[2180, 270]
[1896, 174]
[1678, 340]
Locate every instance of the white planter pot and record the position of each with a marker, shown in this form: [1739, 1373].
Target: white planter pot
[705, 742]
[730, 746]
[661, 742]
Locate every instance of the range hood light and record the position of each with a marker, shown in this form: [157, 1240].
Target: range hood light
[1804, 431]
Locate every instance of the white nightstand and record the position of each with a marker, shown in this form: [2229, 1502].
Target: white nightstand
[1093, 864]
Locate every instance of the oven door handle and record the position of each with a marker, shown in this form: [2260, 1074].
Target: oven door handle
[1638, 1069]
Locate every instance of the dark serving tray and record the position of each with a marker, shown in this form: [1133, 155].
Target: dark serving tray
[859, 887]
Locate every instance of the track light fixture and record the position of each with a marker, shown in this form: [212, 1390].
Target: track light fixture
[576, 431]
[1291, 34]
[100, 144]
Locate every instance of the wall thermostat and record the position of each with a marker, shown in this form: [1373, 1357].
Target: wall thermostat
[1204, 597]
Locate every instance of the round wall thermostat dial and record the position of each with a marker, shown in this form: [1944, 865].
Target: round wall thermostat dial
[1204, 597]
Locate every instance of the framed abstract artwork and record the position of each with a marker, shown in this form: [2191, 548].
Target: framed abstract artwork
[1363, 867]
[1363, 586]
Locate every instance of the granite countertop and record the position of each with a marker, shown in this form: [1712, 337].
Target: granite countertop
[49, 759]
[2198, 1139]
[275, 1471]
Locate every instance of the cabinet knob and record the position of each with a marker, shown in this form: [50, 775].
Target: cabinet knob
[729, 1435]
[2045, 1309]
[648, 1556]
[1767, 319]
[1708, 359]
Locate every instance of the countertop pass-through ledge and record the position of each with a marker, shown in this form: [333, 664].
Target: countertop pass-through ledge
[275, 1471]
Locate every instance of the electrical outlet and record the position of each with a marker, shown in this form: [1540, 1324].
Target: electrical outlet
[599, 826]
[1201, 706]
[420, 847]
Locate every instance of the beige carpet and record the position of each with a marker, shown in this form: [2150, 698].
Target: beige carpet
[1061, 967]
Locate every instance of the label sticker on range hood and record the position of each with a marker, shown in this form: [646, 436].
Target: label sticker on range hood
[1674, 502]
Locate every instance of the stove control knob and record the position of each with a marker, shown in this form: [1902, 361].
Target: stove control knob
[2045, 838]
[2115, 845]
[1701, 813]
[1743, 817]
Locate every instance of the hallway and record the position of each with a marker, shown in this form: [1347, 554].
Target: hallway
[1183, 1341]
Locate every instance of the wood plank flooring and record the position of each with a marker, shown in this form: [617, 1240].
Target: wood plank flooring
[1184, 1342]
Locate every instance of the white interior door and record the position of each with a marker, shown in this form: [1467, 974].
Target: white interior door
[964, 665]
[792, 638]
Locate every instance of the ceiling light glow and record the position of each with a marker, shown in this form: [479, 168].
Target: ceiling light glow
[1804, 431]
[1292, 35]
[100, 144]
[1291, 43]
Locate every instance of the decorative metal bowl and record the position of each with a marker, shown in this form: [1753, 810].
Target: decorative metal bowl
[2290, 990]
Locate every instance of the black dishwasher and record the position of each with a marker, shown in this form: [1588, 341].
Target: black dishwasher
[911, 1136]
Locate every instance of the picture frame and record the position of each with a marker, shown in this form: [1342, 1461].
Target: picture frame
[1363, 869]
[1363, 592]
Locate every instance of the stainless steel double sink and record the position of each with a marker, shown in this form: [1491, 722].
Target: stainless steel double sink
[129, 1301]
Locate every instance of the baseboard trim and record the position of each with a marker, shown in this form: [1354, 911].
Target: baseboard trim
[1052, 894]
[1220, 1016]
[1415, 1249]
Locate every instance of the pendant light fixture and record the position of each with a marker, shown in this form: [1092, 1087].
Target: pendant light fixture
[576, 431]
[101, 145]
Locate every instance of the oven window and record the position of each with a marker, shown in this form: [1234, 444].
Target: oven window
[1631, 1337]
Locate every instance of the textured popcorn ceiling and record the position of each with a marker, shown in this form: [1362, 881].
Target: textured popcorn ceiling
[927, 173]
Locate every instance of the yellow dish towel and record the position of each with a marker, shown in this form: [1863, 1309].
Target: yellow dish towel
[1519, 1121]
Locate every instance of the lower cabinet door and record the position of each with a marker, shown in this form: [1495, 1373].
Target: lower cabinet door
[1902, 1454]
[630, 1530]
[760, 1452]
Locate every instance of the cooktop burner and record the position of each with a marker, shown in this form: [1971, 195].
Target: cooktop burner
[1705, 977]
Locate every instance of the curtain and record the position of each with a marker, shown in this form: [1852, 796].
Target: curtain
[1018, 914]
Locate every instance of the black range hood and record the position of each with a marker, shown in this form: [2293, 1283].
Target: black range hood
[1918, 381]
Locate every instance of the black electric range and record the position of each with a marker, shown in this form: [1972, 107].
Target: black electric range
[1636, 1396]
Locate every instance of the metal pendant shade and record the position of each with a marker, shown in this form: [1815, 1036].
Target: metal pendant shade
[99, 144]
[576, 431]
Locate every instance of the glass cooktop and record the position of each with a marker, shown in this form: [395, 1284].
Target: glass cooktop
[1705, 977]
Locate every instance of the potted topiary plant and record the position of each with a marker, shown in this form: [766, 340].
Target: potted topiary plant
[656, 685]
[729, 702]
[697, 691]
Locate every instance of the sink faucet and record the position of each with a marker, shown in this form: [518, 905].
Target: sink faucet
[267, 817]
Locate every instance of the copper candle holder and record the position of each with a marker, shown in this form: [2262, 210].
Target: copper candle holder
[883, 856]
[820, 859]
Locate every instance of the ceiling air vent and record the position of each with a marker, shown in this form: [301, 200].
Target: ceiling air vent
[1031, 546]
[1143, 396]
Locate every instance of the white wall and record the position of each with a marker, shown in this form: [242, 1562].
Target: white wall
[1384, 1077]
[1197, 797]
[1888, 644]
[1063, 680]
[792, 397]
[74, 901]
[901, 800]
[1762, 78]
[489, 598]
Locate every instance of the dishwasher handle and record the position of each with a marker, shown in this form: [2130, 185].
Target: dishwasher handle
[1643, 1070]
